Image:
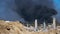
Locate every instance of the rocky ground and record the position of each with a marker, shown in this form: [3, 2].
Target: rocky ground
[14, 27]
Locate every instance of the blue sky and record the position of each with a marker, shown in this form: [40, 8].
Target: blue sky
[7, 12]
[56, 4]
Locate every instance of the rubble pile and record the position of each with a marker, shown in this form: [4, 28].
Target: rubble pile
[14, 27]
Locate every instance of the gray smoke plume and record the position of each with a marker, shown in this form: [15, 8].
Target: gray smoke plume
[26, 10]
[35, 9]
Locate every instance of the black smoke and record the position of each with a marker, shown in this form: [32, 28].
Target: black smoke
[30, 11]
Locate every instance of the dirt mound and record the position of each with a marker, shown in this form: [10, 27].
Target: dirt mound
[7, 27]
[12, 28]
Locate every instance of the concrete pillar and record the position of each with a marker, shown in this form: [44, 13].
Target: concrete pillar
[36, 24]
[44, 25]
[54, 22]
[27, 25]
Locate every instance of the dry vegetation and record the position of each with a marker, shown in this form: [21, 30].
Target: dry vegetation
[12, 28]
[18, 28]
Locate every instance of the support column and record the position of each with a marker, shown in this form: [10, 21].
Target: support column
[35, 25]
[54, 22]
[44, 25]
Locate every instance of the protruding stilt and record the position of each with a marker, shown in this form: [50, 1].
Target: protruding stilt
[35, 24]
[54, 22]
[44, 25]
[27, 25]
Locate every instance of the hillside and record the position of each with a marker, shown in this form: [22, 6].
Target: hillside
[14, 27]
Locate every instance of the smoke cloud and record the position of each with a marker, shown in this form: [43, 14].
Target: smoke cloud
[26, 10]
[35, 9]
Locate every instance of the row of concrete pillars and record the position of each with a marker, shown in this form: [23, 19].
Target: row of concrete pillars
[44, 24]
